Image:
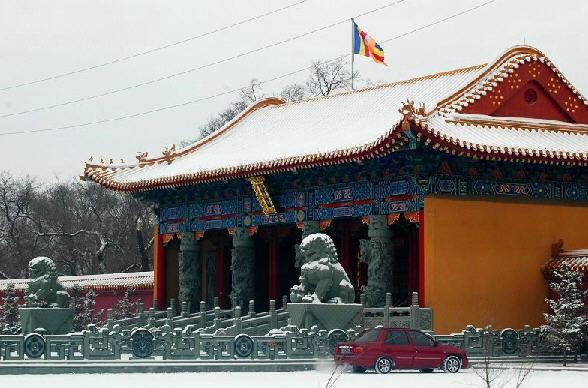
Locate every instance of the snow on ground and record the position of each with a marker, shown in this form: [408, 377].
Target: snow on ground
[311, 379]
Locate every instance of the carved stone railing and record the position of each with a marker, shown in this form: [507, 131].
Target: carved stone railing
[486, 342]
[167, 343]
[413, 317]
[215, 320]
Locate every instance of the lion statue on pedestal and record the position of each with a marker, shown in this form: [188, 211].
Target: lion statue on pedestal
[44, 290]
[322, 278]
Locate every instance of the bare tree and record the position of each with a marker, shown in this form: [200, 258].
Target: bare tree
[251, 92]
[248, 95]
[329, 76]
[335, 375]
[293, 93]
[85, 228]
[16, 237]
[499, 375]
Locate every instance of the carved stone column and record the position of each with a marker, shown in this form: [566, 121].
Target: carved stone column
[377, 252]
[243, 269]
[189, 270]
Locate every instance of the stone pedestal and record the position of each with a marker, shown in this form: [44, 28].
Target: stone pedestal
[53, 320]
[243, 269]
[327, 316]
[189, 271]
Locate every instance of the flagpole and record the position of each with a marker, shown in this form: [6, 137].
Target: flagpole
[352, 49]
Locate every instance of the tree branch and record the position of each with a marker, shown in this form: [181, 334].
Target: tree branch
[130, 267]
[99, 253]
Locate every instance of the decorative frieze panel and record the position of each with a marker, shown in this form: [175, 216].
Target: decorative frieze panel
[222, 223]
[175, 212]
[329, 195]
[541, 190]
[173, 227]
[214, 209]
[328, 213]
[270, 219]
[403, 194]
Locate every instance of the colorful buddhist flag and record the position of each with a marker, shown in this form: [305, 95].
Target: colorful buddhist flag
[365, 45]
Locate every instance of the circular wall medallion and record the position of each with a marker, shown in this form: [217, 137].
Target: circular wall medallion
[34, 345]
[142, 343]
[509, 341]
[243, 345]
[530, 96]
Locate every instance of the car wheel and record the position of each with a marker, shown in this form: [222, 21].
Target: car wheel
[357, 369]
[451, 364]
[383, 365]
[428, 370]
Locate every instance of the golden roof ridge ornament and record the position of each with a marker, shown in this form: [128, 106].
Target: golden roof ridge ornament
[169, 154]
[142, 157]
[262, 195]
[408, 112]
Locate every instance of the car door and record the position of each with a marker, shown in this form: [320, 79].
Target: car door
[427, 355]
[397, 347]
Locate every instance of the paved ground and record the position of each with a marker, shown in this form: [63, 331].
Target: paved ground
[313, 379]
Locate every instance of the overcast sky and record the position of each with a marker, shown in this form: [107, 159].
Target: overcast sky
[40, 39]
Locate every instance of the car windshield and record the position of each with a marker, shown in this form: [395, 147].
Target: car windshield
[370, 336]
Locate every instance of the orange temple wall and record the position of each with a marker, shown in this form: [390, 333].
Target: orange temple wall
[483, 259]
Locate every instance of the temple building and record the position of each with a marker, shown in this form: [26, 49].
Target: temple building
[454, 184]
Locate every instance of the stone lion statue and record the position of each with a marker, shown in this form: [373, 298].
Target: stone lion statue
[322, 278]
[44, 290]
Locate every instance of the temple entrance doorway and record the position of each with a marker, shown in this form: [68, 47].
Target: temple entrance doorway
[216, 263]
[275, 272]
[405, 268]
[172, 277]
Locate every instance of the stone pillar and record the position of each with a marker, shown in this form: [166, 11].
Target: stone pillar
[189, 270]
[377, 252]
[243, 269]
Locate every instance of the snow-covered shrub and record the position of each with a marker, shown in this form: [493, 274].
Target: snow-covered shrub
[84, 307]
[9, 317]
[566, 323]
[124, 307]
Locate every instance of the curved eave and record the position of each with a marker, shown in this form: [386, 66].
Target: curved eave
[454, 146]
[389, 142]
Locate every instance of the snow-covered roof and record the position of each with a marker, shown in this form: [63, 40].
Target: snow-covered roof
[275, 136]
[107, 281]
[577, 259]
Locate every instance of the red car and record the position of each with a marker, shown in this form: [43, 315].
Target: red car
[384, 349]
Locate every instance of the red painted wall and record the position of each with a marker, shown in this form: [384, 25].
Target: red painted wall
[106, 299]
